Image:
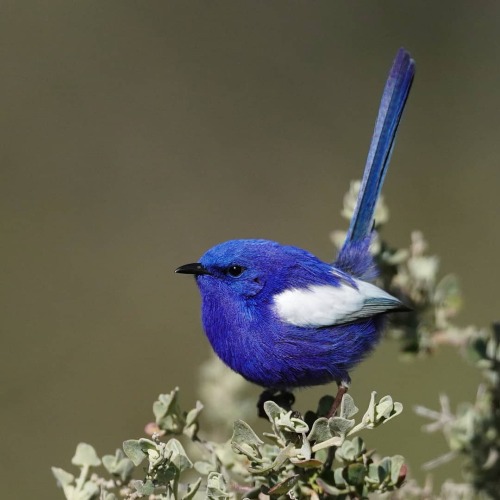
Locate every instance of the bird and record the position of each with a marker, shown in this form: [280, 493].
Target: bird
[283, 318]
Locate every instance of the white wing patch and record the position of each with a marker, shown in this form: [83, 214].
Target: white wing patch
[327, 305]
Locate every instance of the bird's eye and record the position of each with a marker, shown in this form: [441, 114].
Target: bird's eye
[235, 271]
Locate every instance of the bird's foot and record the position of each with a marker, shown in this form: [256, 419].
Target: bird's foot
[284, 399]
[338, 400]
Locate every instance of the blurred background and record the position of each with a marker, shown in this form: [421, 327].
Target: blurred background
[136, 135]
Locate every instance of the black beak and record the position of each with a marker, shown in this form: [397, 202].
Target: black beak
[195, 268]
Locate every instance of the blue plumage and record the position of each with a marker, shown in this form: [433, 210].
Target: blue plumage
[283, 318]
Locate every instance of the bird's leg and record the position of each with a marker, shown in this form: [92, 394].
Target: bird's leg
[343, 387]
[284, 399]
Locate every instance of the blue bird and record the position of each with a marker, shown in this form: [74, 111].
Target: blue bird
[281, 317]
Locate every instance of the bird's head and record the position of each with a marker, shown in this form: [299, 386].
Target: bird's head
[245, 267]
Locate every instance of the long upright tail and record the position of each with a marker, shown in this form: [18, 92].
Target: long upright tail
[354, 257]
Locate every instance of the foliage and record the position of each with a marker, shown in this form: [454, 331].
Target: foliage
[473, 431]
[314, 456]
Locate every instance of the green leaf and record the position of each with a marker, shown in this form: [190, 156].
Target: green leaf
[283, 487]
[286, 423]
[398, 469]
[356, 474]
[373, 474]
[192, 425]
[350, 451]
[325, 429]
[388, 409]
[340, 426]
[334, 441]
[85, 455]
[448, 294]
[273, 411]
[63, 478]
[168, 414]
[338, 475]
[328, 488]
[192, 489]
[165, 404]
[384, 469]
[109, 462]
[148, 444]
[178, 455]
[90, 491]
[384, 408]
[359, 446]
[203, 468]
[280, 459]
[312, 463]
[252, 454]
[305, 451]
[245, 441]
[165, 472]
[192, 416]
[477, 349]
[133, 450]
[144, 488]
[322, 455]
[216, 487]
[324, 405]
[381, 412]
[347, 408]
[118, 465]
[244, 434]
[320, 431]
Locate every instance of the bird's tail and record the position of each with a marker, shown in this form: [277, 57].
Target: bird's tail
[354, 256]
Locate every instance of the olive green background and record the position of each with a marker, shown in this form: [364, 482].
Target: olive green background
[135, 135]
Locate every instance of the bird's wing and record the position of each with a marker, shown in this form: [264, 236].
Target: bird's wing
[328, 305]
